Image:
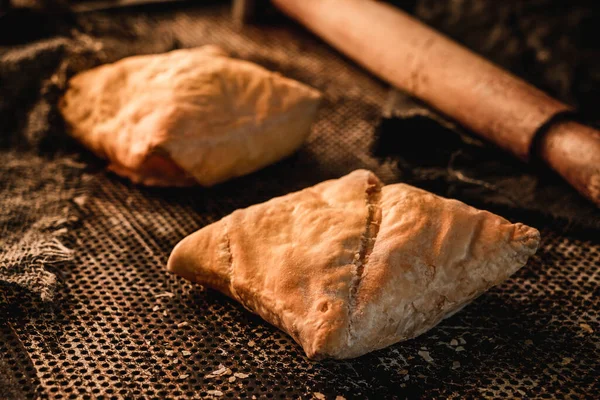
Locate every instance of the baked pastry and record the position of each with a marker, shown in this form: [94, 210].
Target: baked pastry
[349, 265]
[188, 116]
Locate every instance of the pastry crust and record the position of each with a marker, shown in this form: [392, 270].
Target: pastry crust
[350, 266]
[188, 116]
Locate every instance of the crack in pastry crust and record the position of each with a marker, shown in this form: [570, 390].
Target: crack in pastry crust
[367, 242]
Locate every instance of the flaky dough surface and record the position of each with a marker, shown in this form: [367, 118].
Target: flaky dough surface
[188, 116]
[349, 266]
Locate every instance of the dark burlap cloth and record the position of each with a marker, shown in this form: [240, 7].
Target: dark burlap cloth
[86, 309]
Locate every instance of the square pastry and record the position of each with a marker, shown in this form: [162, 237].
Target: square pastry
[349, 266]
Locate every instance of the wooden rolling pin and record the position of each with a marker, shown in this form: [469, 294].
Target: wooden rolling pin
[481, 96]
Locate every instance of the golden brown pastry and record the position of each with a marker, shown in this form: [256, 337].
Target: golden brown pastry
[349, 265]
[188, 116]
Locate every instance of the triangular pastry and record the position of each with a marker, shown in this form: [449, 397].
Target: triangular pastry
[349, 265]
[191, 116]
